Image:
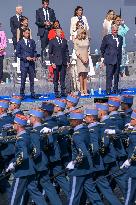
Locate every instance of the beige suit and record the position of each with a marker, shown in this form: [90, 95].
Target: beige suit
[81, 48]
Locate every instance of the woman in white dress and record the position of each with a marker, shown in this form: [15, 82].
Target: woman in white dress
[107, 22]
[78, 16]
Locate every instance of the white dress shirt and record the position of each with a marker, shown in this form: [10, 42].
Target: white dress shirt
[117, 40]
[18, 17]
[59, 40]
[46, 14]
[26, 41]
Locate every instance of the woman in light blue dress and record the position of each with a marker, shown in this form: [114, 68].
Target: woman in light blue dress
[122, 31]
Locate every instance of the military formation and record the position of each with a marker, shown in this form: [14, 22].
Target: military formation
[60, 147]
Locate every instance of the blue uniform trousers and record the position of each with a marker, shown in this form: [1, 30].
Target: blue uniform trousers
[77, 184]
[118, 176]
[49, 189]
[23, 184]
[104, 187]
[55, 168]
[31, 71]
[131, 191]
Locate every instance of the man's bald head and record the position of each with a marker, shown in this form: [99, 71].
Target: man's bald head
[19, 10]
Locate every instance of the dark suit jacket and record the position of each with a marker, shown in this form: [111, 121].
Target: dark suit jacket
[14, 25]
[109, 50]
[58, 53]
[23, 51]
[40, 19]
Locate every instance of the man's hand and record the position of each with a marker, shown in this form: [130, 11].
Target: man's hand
[53, 65]
[34, 58]
[28, 58]
[47, 23]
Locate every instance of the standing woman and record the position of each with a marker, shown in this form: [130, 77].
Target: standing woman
[107, 23]
[78, 16]
[78, 21]
[81, 46]
[122, 31]
[3, 45]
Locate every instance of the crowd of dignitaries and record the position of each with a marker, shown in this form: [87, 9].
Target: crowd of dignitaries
[58, 147]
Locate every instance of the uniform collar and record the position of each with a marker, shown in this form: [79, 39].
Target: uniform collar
[15, 111]
[21, 133]
[78, 127]
[104, 118]
[37, 124]
[3, 115]
[129, 110]
[92, 124]
[113, 113]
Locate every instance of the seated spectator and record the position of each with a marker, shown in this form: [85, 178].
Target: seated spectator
[52, 32]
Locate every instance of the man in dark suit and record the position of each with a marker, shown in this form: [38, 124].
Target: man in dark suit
[59, 58]
[111, 50]
[15, 24]
[26, 51]
[45, 17]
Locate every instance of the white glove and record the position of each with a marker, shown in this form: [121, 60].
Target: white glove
[28, 122]
[10, 167]
[129, 126]
[110, 132]
[70, 165]
[126, 164]
[46, 130]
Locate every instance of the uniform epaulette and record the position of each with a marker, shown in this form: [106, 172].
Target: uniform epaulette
[46, 123]
[102, 123]
[19, 137]
[111, 117]
[91, 129]
[77, 132]
[133, 131]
